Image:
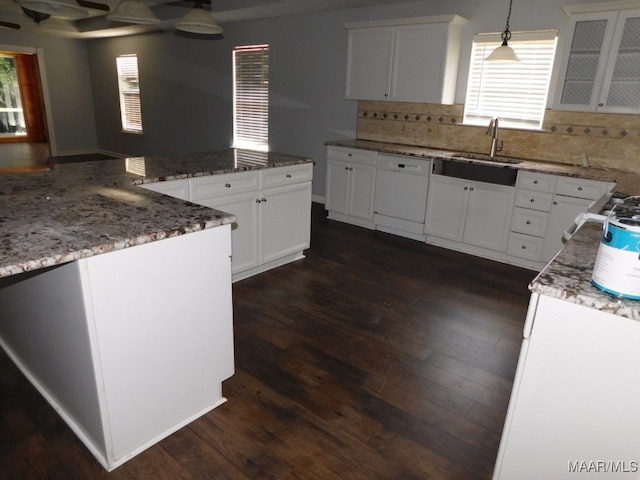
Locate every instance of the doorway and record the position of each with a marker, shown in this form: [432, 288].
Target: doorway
[22, 116]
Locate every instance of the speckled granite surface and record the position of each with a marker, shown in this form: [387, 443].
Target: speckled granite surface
[77, 210]
[627, 182]
[568, 276]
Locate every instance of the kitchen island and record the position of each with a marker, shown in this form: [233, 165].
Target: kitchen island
[573, 410]
[115, 301]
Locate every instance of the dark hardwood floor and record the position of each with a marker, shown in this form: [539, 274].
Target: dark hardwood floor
[376, 357]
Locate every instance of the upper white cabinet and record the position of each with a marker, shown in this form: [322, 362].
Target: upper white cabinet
[601, 63]
[405, 60]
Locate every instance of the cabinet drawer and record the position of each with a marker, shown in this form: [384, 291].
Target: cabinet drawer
[525, 246]
[534, 200]
[225, 184]
[540, 182]
[581, 188]
[530, 222]
[276, 177]
[368, 157]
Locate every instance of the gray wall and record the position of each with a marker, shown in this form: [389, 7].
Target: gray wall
[186, 83]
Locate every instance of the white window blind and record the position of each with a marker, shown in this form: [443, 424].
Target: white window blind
[516, 93]
[129, 87]
[251, 97]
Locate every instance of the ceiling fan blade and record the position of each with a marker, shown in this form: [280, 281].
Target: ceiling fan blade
[94, 5]
[37, 17]
[14, 26]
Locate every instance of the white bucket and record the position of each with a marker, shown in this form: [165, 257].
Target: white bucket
[617, 267]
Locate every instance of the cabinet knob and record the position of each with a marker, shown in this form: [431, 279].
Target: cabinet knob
[535, 182]
[288, 175]
[555, 203]
[349, 154]
[528, 222]
[601, 104]
[258, 200]
[346, 168]
[466, 188]
[579, 189]
[470, 188]
[264, 199]
[227, 185]
[386, 94]
[532, 200]
[523, 247]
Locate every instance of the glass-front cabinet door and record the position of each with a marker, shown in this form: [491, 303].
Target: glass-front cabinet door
[601, 67]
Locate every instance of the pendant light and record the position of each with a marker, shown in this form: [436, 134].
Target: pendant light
[133, 11]
[504, 53]
[199, 21]
[68, 9]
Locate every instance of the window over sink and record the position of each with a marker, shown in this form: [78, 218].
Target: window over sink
[516, 93]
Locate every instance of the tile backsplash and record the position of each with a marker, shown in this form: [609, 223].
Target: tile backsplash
[602, 139]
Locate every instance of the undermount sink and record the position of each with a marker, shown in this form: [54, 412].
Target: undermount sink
[486, 158]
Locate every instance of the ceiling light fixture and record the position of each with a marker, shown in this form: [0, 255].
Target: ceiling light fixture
[56, 8]
[200, 21]
[134, 11]
[504, 53]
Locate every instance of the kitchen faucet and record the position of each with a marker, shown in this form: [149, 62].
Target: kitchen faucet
[493, 131]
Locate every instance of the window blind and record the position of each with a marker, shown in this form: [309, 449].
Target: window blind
[251, 97]
[129, 88]
[516, 93]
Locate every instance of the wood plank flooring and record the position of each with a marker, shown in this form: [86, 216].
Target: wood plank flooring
[376, 357]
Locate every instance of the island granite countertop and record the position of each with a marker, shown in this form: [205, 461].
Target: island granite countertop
[568, 276]
[627, 182]
[76, 210]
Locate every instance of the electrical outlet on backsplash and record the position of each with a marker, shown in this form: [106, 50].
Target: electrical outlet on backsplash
[589, 139]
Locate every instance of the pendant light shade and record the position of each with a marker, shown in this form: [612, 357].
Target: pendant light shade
[200, 21]
[504, 53]
[56, 8]
[133, 11]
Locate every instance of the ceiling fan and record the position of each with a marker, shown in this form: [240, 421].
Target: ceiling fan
[69, 9]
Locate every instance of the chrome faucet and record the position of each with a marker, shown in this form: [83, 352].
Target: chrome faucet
[496, 145]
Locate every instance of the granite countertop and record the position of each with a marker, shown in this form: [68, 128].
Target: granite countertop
[77, 210]
[627, 182]
[568, 276]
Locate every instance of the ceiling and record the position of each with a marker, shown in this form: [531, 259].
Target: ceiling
[169, 11]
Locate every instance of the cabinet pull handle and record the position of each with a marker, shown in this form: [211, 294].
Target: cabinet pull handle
[288, 175]
[227, 185]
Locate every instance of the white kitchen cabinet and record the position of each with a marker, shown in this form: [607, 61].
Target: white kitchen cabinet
[474, 213]
[404, 60]
[563, 212]
[351, 178]
[272, 208]
[601, 66]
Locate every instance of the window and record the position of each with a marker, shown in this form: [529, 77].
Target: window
[516, 93]
[251, 97]
[11, 112]
[129, 88]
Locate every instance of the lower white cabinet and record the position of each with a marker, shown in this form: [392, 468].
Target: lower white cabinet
[563, 212]
[474, 213]
[272, 208]
[351, 179]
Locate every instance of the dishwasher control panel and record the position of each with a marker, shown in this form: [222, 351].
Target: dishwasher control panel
[403, 164]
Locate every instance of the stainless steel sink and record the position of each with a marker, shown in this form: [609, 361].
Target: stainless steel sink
[486, 158]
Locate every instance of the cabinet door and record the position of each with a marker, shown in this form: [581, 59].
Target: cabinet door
[621, 93]
[337, 186]
[369, 63]
[564, 210]
[585, 62]
[489, 216]
[446, 207]
[285, 220]
[362, 181]
[244, 232]
[419, 53]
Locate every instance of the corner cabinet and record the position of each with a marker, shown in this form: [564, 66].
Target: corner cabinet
[404, 60]
[601, 66]
[351, 180]
[272, 207]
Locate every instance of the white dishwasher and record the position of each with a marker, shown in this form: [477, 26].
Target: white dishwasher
[400, 200]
